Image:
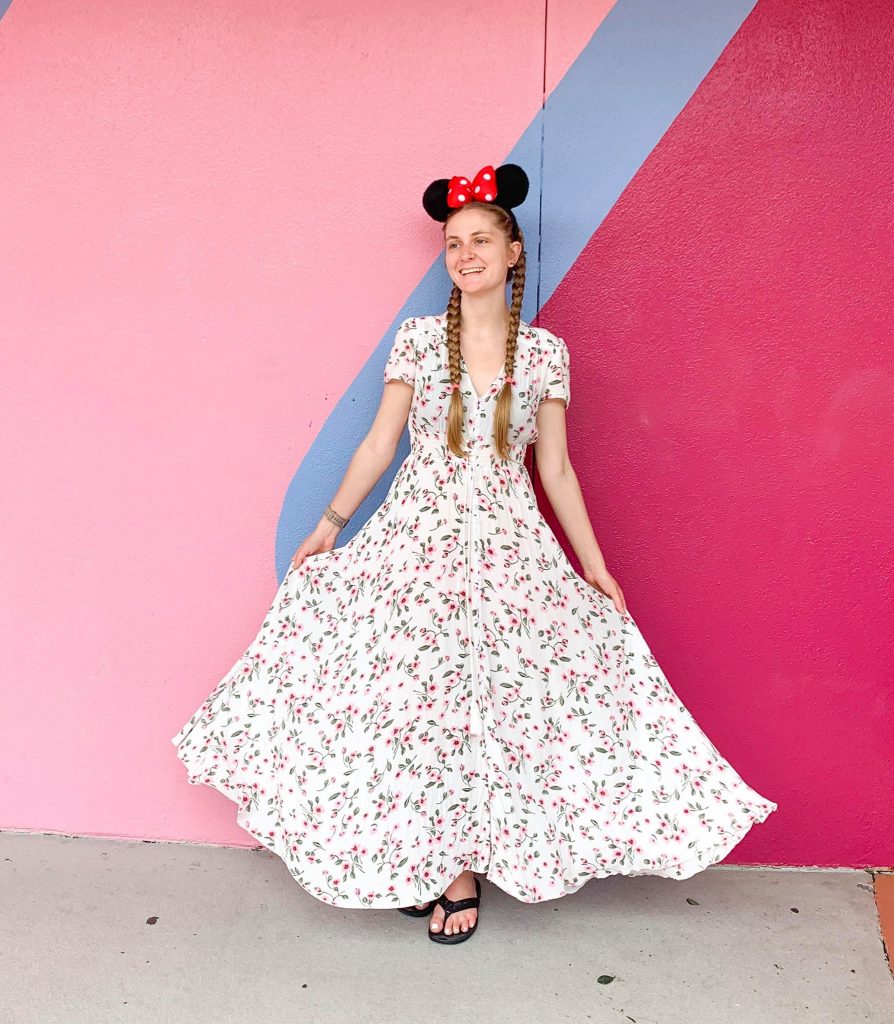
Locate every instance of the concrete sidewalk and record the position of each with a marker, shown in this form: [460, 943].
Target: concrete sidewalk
[105, 931]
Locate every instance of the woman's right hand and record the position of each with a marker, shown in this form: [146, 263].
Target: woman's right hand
[321, 540]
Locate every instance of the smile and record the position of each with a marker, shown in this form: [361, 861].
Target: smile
[472, 270]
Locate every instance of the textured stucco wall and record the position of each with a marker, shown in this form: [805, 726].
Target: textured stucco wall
[210, 223]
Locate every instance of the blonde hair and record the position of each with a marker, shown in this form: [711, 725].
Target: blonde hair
[516, 274]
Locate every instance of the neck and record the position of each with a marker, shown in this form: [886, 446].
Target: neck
[484, 315]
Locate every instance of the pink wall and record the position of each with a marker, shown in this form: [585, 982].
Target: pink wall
[193, 273]
[191, 280]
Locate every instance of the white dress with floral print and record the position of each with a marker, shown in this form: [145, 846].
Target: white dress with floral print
[444, 692]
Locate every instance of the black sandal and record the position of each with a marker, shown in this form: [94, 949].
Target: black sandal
[416, 912]
[451, 907]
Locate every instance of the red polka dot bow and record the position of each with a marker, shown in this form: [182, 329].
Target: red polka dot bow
[483, 189]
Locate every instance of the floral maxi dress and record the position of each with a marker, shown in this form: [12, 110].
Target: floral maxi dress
[444, 692]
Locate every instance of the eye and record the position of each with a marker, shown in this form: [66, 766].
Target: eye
[482, 239]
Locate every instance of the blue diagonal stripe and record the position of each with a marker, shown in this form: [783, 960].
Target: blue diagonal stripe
[600, 123]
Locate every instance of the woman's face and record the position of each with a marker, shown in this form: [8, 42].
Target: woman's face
[476, 252]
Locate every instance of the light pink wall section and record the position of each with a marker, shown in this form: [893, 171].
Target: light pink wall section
[191, 277]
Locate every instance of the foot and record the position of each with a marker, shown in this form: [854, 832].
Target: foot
[462, 920]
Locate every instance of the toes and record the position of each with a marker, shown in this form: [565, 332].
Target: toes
[463, 921]
[455, 923]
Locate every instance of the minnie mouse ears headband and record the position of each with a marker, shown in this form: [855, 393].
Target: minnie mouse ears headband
[507, 186]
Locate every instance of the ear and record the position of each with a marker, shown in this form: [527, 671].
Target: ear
[434, 199]
[512, 184]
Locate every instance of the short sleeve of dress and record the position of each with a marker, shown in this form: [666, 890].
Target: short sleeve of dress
[401, 361]
[557, 373]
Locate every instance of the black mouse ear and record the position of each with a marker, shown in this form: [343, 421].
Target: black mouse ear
[512, 185]
[434, 199]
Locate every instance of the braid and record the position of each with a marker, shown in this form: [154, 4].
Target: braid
[502, 413]
[455, 412]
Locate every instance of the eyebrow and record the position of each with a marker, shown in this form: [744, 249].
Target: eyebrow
[473, 234]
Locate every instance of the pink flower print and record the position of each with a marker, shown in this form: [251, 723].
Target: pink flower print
[586, 698]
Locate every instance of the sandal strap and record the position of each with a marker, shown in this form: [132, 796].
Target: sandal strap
[452, 906]
[469, 903]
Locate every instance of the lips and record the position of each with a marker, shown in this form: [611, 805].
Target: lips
[471, 270]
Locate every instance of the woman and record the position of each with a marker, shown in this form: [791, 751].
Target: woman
[443, 694]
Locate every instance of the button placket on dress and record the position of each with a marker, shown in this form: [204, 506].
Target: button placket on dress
[478, 452]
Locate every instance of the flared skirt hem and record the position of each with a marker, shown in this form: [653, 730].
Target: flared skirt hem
[543, 890]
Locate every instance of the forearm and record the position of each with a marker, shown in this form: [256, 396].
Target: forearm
[567, 501]
[364, 470]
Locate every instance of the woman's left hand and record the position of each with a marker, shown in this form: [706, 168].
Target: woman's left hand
[605, 582]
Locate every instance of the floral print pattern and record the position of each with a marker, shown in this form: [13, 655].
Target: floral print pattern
[443, 692]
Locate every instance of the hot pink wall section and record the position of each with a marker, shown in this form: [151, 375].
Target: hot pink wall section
[730, 333]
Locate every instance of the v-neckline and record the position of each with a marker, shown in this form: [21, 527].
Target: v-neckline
[522, 327]
[490, 388]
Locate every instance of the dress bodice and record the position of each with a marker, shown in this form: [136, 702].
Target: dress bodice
[418, 356]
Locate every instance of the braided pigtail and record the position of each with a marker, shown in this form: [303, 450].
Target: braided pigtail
[502, 412]
[455, 411]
